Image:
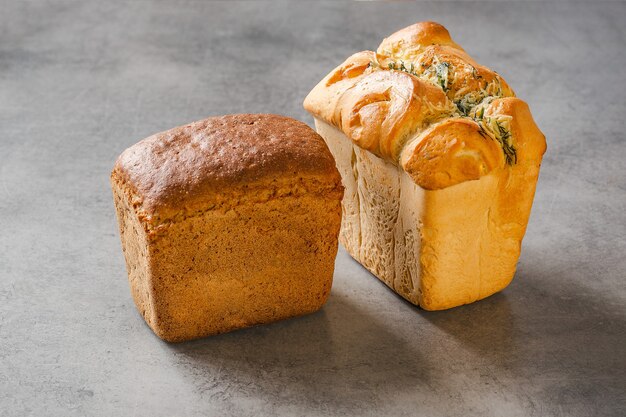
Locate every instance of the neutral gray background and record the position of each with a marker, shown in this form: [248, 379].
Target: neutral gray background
[80, 81]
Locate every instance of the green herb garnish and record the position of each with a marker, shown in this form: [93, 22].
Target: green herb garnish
[500, 133]
[442, 70]
[403, 68]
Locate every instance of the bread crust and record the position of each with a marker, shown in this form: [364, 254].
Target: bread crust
[412, 40]
[384, 108]
[418, 77]
[181, 168]
[464, 155]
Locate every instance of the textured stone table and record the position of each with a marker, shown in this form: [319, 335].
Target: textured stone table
[81, 81]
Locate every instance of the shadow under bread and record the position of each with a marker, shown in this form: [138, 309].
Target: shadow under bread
[333, 356]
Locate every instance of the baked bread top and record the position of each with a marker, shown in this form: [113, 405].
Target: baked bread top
[422, 103]
[221, 160]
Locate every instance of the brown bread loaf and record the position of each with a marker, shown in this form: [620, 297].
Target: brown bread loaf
[228, 222]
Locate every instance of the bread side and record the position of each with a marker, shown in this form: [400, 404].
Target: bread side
[436, 248]
[135, 245]
[249, 265]
[380, 212]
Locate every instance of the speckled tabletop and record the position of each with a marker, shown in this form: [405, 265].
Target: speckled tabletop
[82, 80]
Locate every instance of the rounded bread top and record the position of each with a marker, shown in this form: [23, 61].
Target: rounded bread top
[421, 102]
[409, 42]
[184, 164]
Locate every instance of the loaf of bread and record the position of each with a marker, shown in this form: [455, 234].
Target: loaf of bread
[439, 160]
[228, 222]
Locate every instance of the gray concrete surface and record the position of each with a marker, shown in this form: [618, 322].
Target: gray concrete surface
[80, 81]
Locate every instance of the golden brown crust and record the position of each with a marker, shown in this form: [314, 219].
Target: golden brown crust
[174, 169]
[383, 108]
[337, 82]
[411, 41]
[530, 143]
[449, 153]
[418, 77]
[255, 264]
[506, 196]
[465, 75]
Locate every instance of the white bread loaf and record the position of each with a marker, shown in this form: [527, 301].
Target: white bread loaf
[439, 161]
